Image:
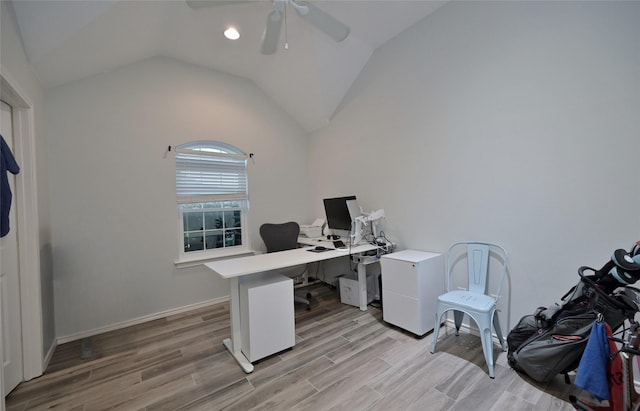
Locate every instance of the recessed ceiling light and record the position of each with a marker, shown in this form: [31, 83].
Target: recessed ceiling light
[231, 33]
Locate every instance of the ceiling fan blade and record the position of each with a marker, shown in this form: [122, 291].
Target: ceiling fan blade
[324, 22]
[201, 4]
[272, 33]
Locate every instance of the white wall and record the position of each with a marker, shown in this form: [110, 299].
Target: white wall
[510, 122]
[113, 191]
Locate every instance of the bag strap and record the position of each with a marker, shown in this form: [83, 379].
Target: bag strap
[598, 290]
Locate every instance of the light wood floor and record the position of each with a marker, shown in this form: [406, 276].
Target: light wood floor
[344, 359]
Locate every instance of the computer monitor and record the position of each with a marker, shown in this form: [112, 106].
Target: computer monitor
[337, 212]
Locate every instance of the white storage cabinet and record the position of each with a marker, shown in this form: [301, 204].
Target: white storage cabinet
[267, 320]
[411, 283]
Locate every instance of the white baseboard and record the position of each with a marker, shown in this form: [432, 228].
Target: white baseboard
[49, 355]
[136, 321]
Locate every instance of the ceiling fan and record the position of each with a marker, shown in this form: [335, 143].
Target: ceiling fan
[324, 22]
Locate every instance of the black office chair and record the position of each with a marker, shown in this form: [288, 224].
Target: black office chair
[281, 237]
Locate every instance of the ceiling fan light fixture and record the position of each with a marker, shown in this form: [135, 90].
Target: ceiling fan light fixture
[301, 8]
[231, 33]
[314, 15]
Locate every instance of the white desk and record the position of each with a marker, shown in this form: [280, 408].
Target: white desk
[234, 268]
[362, 263]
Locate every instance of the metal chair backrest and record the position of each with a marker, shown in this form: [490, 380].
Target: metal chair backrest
[478, 254]
[478, 265]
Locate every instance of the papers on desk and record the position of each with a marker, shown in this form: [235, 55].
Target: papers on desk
[313, 230]
[318, 222]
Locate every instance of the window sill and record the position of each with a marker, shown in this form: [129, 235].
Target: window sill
[192, 261]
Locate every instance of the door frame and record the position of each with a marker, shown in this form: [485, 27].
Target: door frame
[28, 226]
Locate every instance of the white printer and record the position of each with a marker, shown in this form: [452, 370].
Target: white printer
[312, 230]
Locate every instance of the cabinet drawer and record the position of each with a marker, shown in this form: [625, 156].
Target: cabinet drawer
[402, 311]
[267, 322]
[400, 277]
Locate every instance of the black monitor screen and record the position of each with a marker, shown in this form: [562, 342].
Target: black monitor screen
[338, 217]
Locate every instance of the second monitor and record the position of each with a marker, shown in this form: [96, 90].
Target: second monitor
[338, 216]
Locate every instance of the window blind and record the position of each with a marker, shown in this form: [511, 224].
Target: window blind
[203, 176]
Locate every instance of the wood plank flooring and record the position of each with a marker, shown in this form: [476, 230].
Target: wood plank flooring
[344, 359]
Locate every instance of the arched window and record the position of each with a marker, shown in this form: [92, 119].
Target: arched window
[213, 202]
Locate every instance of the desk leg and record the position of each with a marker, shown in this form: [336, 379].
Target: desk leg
[362, 285]
[234, 344]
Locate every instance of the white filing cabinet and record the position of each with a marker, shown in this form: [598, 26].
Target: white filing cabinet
[411, 283]
[267, 322]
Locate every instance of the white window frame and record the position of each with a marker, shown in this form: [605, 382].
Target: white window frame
[193, 186]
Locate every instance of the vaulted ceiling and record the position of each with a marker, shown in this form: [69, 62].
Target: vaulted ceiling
[68, 40]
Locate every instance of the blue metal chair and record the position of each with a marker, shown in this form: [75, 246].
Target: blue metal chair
[475, 301]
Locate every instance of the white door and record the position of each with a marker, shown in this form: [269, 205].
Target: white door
[10, 279]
